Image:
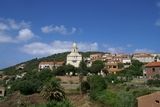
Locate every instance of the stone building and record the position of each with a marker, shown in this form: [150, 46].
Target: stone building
[151, 69]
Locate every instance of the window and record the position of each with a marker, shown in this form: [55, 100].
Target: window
[157, 101]
[153, 69]
[0, 92]
[114, 67]
[74, 61]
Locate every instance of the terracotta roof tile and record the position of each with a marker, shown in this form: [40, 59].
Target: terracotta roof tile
[153, 64]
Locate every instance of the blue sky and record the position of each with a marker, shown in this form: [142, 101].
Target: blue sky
[36, 28]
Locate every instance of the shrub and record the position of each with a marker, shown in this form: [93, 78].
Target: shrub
[64, 103]
[28, 87]
[85, 87]
[97, 83]
[155, 83]
[52, 91]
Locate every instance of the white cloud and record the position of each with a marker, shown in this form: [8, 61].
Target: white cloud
[5, 39]
[143, 50]
[11, 24]
[12, 31]
[3, 26]
[25, 34]
[59, 29]
[39, 48]
[115, 49]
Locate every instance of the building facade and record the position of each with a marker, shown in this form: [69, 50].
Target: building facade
[144, 57]
[74, 58]
[151, 69]
[50, 65]
[96, 56]
[151, 100]
[2, 91]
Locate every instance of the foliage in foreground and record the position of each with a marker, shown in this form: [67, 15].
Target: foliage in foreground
[32, 82]
[97, 84]
[52, 91]
[64, 103]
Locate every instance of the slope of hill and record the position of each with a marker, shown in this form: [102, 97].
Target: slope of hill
[33, 63]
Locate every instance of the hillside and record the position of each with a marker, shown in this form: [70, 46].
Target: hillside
[33, 63]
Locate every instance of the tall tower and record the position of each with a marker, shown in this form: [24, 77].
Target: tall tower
[74, 48]
[74, 58]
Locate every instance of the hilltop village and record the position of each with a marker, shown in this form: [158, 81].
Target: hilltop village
[113, 63]
[97, 77]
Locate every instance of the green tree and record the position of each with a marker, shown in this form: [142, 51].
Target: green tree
[85, 87]
[60, 71]
[125, 99]
[27, 87]
[45, 75]
[83, 68]
[52, 91]
[69, 68]
[97, 84]
[136, 69]
[97, 66]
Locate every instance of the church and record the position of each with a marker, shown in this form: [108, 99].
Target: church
[74, 58]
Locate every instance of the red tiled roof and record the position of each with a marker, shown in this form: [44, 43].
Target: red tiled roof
[52, 62]
[153, 64]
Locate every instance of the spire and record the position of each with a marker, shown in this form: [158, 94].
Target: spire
[74, 48]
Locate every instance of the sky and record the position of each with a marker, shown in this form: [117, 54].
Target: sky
[38, 28]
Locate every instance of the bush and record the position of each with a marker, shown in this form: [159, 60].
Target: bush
[85, 87]
[97, 84]
[155, 83]
[64, 103]
[97, 66]
[28, 87]
[52, 91]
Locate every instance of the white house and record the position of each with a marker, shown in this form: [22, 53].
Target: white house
[144, 57]
[74, 58]
[50, 64]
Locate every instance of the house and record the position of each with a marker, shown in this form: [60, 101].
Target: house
[144, 57]
[74, 58]
[96, 56]
[20, 67]
[151, 100]
[113, 67]
[2, 91]
[151, 69]
[50, 64]
[127, 62]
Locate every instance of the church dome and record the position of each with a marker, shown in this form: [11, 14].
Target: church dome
[74, 45]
